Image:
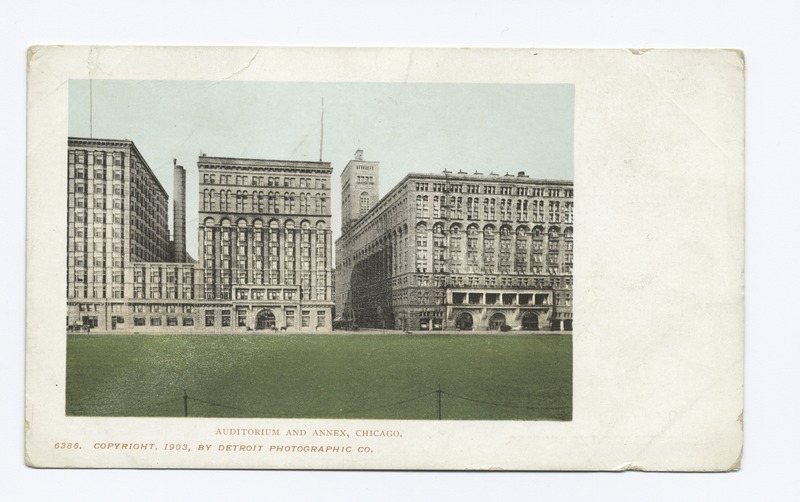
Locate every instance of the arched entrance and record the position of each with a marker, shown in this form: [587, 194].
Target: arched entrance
[265, 320]
[530, 321]
[464, 321]
[497, 321]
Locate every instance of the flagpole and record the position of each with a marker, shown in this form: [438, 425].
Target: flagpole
[321, 128]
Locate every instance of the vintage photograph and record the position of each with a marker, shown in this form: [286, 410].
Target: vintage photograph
[319, 250]
[397, 259]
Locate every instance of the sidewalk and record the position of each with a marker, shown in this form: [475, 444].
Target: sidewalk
[365, 332]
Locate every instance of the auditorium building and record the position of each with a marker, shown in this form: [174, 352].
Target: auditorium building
[264, 259]
[455, 251]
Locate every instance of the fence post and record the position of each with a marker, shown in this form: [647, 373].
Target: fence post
[185, 404]
[439, 398]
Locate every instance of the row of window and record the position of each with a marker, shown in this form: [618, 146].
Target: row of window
[259, 202]
[210, 293]
[524, 210]
[266, 294]
[266, 181]
[169, 292]
[489, 230]
[490, 189]
[442, 281]
[95, 157]
[273, 234]
[473, 267]
[156, 321]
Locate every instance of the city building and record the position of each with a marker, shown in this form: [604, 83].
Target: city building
[116, 215]
[265, 244]
[457, 251]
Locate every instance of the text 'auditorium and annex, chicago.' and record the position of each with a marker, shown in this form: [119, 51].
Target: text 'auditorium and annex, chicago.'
[450, 251]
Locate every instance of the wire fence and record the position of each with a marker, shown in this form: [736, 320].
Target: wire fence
[440, 407]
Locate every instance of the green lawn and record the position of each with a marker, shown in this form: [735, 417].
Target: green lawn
[495, 377]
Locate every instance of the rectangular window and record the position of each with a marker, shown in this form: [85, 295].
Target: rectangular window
[210, 318]
[320, 318]
[138, 321]
[241, 317]
[290, 318]
[226, 318]
[155, 321]
[305, 318]
[188, 321]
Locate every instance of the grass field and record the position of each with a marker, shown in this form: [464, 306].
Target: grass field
[493, 377]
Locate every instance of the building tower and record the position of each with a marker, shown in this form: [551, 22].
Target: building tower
[359, 188]
[179, 213]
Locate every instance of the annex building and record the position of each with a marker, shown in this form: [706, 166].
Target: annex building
[265, 245]
[455, 251]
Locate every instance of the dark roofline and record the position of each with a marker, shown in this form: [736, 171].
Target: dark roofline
[236, 161]
[76, 141]
[500, 178]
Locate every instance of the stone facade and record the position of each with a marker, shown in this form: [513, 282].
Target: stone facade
[359, 188]
[460, 251]
[116, 215]
[265, 241]
[264, 235]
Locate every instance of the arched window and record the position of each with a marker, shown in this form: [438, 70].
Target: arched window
[239, 202]
[488, 248]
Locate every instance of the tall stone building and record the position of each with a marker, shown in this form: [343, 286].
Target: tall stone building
[265, 241]
[460, 251]
[264, 235]
[116, 216]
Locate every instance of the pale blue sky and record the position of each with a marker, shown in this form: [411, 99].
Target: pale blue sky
[407, 127]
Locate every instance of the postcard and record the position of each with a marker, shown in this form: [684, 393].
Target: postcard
[318, 258]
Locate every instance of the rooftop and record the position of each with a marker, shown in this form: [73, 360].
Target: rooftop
[231, 162]
[115, 143]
